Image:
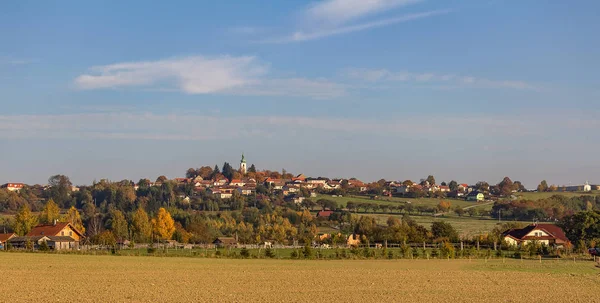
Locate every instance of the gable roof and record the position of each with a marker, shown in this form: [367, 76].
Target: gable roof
[5, 237]
[52, 229]
[225, 240]
[324, 213]
[554, 231]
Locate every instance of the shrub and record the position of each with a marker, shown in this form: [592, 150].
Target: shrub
[307, 251]
[44, 246]
[448, 250]
[151, 249]
[269, 253]
[244, 253]
[294, 254]
[390, 254]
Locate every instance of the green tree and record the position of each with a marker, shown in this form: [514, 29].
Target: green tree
[24, 221]
[60, 189]
[453, 185]
[583, 225]
[430, 179]
[506, 187]
[440, 229]
[252, 169]
[543, 186]
[140, 226]
[118, 225]
[50, 212]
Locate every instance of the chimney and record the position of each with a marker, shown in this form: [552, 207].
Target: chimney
[54, 222]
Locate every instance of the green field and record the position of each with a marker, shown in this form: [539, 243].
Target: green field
[466, 226]
[396, 201]
[544, 195]
[84, 278]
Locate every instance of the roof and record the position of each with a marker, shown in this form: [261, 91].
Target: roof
[5, 237]
[553, 230]
[25, 239]
[325, 213]
[236, 181]
[51, 229]
[473, 193]
[48, 238]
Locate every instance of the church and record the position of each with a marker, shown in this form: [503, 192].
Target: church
[243, 168]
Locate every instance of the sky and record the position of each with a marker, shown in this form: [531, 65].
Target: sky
[394, 89]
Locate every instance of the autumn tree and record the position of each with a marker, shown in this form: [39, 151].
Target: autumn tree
[191, 173]
[140, 226]
[118, 225]
[430, 179]
[505, 186]
[24, 221]
[163, 225]
[444, 205]
[205, 172]
[543, 186]
[161, 179]
[72, 216]
[50, 212]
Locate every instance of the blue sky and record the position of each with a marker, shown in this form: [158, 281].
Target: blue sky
[395, 89]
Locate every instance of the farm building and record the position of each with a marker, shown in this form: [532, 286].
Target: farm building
[58, 236]
[475, 196]
[225, 242]
[5, 237]
[324, 213]
[548, 234]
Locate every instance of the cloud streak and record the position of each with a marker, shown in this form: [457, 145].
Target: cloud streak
[185, 127]
[203, 75]
[337, 17]
[301, 36]
[384, 75]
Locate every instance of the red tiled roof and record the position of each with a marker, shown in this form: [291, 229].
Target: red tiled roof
[236, 181]
[553, 230]
[325, 213]
[5, 237]
[51, 229]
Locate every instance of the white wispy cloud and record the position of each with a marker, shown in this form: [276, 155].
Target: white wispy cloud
[384, 75]
[300, 36]
[202, 75]
[337, 17]
[342, 11]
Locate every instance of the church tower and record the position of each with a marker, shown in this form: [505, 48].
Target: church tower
[243, 168]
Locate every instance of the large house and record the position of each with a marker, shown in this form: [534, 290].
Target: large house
[13, 186]
[58, 236]
[5, 237]
[548, 234]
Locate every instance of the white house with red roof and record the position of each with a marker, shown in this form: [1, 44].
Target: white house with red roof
[13, 186]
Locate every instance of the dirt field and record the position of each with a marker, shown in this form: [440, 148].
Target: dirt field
[69, 278]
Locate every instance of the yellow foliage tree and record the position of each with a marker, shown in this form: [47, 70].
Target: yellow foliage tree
[163, 224]
[50, 213]
[74, 218]
[444, 205]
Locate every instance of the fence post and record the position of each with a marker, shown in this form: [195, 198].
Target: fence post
[461, 245]
[477, 245]
[494, 246]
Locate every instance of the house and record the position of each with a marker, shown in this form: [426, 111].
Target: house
[324, 213]
[444, 188]
[221, 192]
[587, 186]
[28, 242]
[295, 198]
[237, 182]
[5, 237]
[548, 234]
[463, 187]
[13, 186]
[220, 182]
[246, 190]
[58, 229]
[225, 242]
[475, 196]
[316, 181]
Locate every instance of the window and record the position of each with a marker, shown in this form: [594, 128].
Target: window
[70, 233]
[62, 233]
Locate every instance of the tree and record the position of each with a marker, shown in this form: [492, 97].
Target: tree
[443, 183]
[459, 211]
[505, 187]
[60, 188]
[118, 225]
[24, 221]
[163, 225]
[444, 205]
[161, 179]
[440, 229]
[191, 173]
[50, 213]
[430, 179]
[453, 185]
[518, 186]
[252, 169]
[227, 170]
[482, 186]
[583, 225]
[140, 226]
[72, 216]
[205, 172]
[543, 186]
